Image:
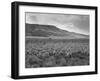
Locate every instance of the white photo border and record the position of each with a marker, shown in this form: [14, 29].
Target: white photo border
[54, 70]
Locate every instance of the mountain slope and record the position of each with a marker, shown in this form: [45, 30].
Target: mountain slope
[50, 31]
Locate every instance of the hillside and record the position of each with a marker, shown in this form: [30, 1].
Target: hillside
[50, 31]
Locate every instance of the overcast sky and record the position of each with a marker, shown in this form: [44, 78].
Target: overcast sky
[69, 22]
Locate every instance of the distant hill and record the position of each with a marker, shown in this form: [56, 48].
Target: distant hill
[39, 30]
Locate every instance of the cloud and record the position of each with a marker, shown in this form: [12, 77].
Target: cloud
[70, 22]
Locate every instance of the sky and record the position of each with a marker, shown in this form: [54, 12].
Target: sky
[70, 22]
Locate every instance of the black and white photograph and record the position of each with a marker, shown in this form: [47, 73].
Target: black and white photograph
[54, 40]
[50, 40]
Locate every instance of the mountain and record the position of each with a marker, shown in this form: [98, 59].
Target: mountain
[39, 30]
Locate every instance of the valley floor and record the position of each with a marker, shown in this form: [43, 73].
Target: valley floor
[49, 52]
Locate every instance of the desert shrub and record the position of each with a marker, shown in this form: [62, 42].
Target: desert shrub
[56, 52]
[49, 62]
[78, 58]
[33, 61]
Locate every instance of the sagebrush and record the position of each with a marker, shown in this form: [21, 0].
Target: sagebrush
[56, 52]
